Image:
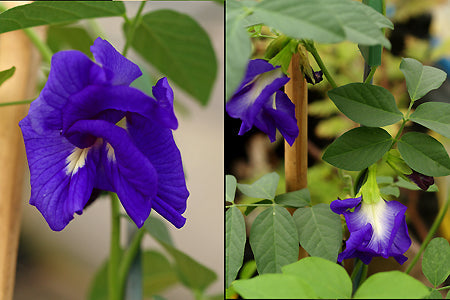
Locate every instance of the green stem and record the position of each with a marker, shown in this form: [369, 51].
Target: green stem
[312, 49]
[246, 205]
[405, 119]
[430, 234]
[370, 76]
[128, 258]
[16, 102]
[40, 45]
[359, 274]
[132, 29]
[114, 257]
[443, 288]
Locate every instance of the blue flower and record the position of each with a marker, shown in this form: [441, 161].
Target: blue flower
[259, 102]
[377, 227]
[74, 144]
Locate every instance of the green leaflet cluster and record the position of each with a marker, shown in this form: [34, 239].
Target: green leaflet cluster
[373, 107]
[275, 235]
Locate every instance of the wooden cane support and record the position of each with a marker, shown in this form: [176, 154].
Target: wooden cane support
[296, 157]
[15, 50]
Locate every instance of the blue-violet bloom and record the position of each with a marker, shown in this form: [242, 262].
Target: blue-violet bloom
[377, 227]
[74, 144]
[259, 102]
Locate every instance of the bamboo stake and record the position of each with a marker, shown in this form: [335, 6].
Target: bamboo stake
[296, 157]
[15, 50]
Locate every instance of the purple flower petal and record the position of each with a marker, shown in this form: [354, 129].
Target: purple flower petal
[255, 67]
[259, 102]
[170, 201]
[421, 180]
[129, 172]
[100, 101]
[125, 71]
[61, 175]
[283, 116]
[341, 206]
[164, 97]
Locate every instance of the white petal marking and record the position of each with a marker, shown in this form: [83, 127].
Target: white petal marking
[262, 81]
[110, 153]
[76, 160]
[377, 215]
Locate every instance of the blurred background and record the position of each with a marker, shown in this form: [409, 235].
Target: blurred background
[421, 31]
[61, 265]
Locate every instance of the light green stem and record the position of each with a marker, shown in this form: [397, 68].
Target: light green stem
[16, 102]
[312, 49]
[430, 234]
[370, 76]
[40, 45]
[114, 256]
[405, 119]
[128, 258]
[132, 29]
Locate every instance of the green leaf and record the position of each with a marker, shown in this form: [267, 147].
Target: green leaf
[98, 289]
[436, 261]
[65, 37]
[274, 240]
[300, 198]
[325, 21]
[433, 115]
[434, 294]
[367, 104]
[327, 279]
[274, 286]
[391, 285]
[230, 181]
[319, 231]
[158, 273]
[180, 48]
[265, 187]
[424, 154]
[235, 236]
[238, 46]
[390, 190]
[358, 148]
[283, 58]
[158, 229]
[53, 12]
[420, 79]
[190, 272]
[6, 74]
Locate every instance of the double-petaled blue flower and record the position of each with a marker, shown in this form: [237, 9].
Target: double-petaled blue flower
[74, 143]
[377, 227]
[259, 102]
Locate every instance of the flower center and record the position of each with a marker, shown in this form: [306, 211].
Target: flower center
[376, 215]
